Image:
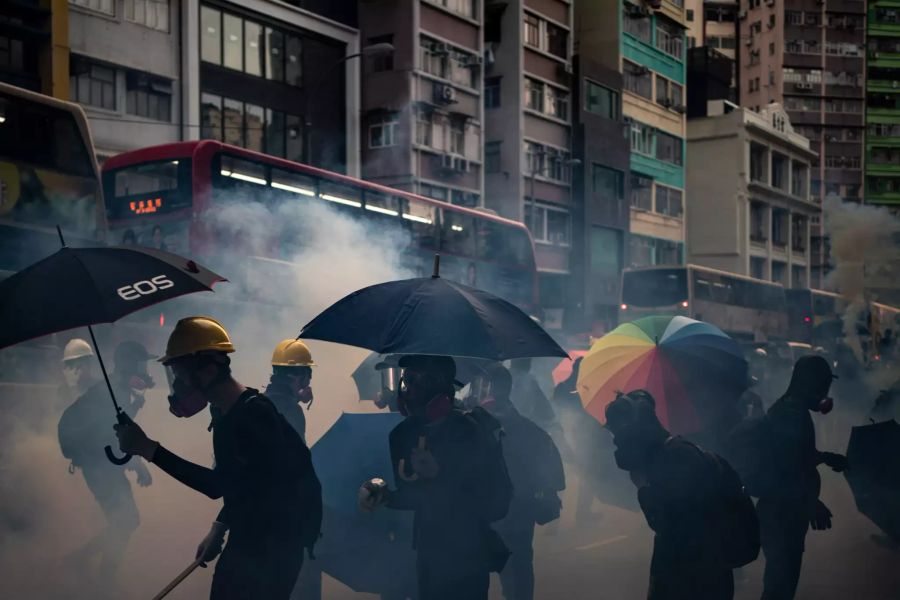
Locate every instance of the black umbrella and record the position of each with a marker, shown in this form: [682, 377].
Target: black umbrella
[873, 457]
[77, 287]
[431, 315]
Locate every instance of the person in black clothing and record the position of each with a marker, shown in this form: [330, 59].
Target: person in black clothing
[528, 396]
[289, 387]
[790, 503]
[263, 470]
[449, 470]
[83, 430]
[677, 494]
[536, 470]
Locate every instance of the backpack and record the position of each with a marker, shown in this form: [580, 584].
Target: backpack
[748, 449]
[736, 521]
[496, 473]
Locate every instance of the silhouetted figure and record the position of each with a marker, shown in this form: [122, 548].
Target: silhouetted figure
[789, 502]
[85, 427]
[449, 470]
[289, 387]
[528, 396]
[536, 470]
[263, 470]
[678, 494]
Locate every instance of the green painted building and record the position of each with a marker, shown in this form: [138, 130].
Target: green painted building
[883, 103]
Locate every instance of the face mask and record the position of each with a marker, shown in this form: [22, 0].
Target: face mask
[141, 382]
[305, 395]
[72, 375]
[185, 400]
[826, 405]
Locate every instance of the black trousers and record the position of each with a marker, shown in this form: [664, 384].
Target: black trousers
[783, 527]
[244, 572]
[436, 584]
[517, 577]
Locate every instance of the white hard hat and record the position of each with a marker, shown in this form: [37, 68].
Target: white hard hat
[77, 348]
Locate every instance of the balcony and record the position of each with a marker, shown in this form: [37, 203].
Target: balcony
[883, 86]
[798, 248]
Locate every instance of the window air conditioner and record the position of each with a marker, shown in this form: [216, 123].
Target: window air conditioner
[460, 164]
[444, 94]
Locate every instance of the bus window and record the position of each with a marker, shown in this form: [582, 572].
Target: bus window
[382, 204]
[295, 184]
[655, 287]
[421, 218]
[150, 188]
[458, 234]
[340, 194]
[702, 288]
[240, 174]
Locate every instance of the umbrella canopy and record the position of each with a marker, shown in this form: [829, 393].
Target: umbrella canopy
[691, 368]
[563, 370]
[360, 550]
[75, 287]
[431, 315]
[873, 457]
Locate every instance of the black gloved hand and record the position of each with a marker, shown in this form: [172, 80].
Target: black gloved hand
[820, 520]
[837, 462]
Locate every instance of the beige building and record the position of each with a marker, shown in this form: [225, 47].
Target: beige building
[712, 23]
[750, 209]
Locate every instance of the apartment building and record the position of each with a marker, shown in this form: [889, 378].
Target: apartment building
[882, 161]
[713, 24]
[422, 106]
[752, 213]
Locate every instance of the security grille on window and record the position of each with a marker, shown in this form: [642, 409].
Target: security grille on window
[641, 192]
[637, 79]
[669, 38]
[638, 26]
[382, 131]
[532, 26]
[92, 83]
[149, 13]
[104, 6]
[556, 103]
[643, 138]
[546, 36]
[534, 95]
[148, 96]
[669, 201]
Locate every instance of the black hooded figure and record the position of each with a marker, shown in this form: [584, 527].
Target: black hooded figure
[791, 503]
[677, 493]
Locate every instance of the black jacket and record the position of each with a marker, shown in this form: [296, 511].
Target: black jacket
[264, 472]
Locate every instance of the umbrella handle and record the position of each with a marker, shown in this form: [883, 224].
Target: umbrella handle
[123, 419]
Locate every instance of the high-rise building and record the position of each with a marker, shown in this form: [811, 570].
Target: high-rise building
[883, 104]
[422, 106]
[809, 57]
[34, 46]
[527, 135]
[750, 214]
[649, 50]
[712, 23]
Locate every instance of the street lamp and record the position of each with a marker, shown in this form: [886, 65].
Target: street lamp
[535, 171]
[371, 50]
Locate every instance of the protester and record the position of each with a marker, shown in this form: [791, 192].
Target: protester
[83, 431]
[789, 498]
[449, 470]
[289, 387]
[272, 497]
[529, 397]
[536, 470]
[678, 496]
[78, 371]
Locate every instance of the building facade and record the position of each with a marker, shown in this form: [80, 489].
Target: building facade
[713, 24]
[34, 46]
[263, 75]
[422, 107]
[752, 213]
[809, 57]
[882, 161]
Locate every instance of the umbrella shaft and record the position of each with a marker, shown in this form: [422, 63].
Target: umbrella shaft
[103, 369]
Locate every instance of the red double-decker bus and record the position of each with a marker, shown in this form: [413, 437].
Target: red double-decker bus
[166, 196]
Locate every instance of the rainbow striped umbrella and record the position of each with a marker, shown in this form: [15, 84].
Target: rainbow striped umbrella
[691, 368]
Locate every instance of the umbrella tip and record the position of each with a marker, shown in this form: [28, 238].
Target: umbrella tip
[437, 266]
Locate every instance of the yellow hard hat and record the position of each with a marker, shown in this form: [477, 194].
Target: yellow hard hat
[292, 353]
[197, 334]
[77, 348]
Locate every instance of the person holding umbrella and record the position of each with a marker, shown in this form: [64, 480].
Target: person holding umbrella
[288, 387]
[450, 471]
[263, 470]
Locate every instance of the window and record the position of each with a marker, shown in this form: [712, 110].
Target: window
[758, 212]
[799, 172]
[464, 198]
[607, 184]
[434, 191]
[668, 93]
[293, 64]
[690, 15]
[534, 157]
[643, 138]
[254, 51]
[771, 48]
[534, 95]
[92, 84]
[211, 117]
[254, 127]
[104, 6]
[779, 227]
[646, 251]
[758, 159]
[424, 127]
[492, 157]
[461, 71]
[669, 148]
[641, 196]
[798, 233]
[757, 267]
[210, 35]
[798, 276]
[557, 40]
[669, 201]
[232, 44]
[637, 79]
[492, 92]
[636, 24]
[382, 131]
[382, 62]
[275, 46]
[458, 136]
[779, 270]
[779, 171]
[149, 13]
[532, 30]
[601, 100]
[556, 103]
[548, 224]
[233, 121]
[669, 38]
[464, 7]
[251, 126]
[148, 96]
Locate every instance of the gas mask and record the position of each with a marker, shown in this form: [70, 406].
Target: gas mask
[141, 382]
[305, 395]
[72, 375]
[186, 399]
[825, 406]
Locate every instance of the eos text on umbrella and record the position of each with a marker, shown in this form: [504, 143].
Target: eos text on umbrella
[145, 287]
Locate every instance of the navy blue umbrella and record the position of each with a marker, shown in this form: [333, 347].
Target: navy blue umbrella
[431, 315]
[365, 551]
